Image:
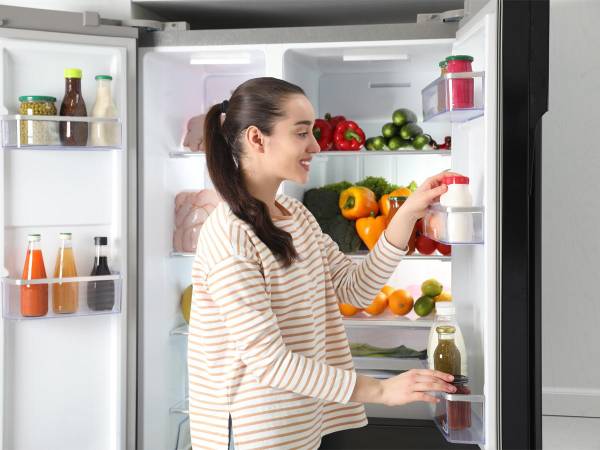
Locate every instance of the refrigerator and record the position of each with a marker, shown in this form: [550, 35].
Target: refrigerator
[117, 379]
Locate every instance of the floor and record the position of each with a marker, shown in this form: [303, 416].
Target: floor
[571, 433]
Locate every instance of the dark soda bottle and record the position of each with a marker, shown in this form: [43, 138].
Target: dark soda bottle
[73, 133]
[101, 294]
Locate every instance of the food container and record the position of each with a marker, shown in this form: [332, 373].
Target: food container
[461, 90]
[37, 132]
[395, 203]
[441, 87]
[192, 208]
[454, 225]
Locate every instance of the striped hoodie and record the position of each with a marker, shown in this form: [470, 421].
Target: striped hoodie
[267, 344]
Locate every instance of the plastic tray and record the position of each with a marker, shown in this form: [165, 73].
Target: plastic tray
[12, 290]
[453, 226]
[441, 102]
[459, 417]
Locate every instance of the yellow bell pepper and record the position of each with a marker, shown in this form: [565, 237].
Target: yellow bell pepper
[357, 202]
[369, 229]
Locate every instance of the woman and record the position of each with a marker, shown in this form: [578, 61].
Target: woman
[269, 362]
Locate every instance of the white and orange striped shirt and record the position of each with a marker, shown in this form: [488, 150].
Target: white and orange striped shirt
[267, 343]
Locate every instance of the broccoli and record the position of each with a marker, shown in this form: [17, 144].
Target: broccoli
[343, 232]
[322, 203]
[378, 185]
[338, 187]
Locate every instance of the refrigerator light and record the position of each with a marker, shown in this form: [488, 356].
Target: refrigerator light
[208, 59]
[375, 57]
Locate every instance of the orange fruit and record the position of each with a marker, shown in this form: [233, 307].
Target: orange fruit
[445, 296]
[401, 192]
[400, 302]
[378, 304]
[387, 290]
[348, 310]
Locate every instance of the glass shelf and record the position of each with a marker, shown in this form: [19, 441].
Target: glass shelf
[394, 364]
[369, 154]
[181, 330]
[358, 256]
[453, 226]
[459, 417]
[181, 407]
[379, 374]
[21, 297]
[182, 254]
[42, 132]
[454, 97]
[184, 154]
[388, 319]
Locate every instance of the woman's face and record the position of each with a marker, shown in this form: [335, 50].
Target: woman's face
[288, 151]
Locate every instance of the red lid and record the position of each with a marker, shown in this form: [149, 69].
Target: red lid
[455, 179]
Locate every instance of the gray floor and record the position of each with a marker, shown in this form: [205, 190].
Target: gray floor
[571, 433]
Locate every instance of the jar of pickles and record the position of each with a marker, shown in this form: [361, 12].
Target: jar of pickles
[37, 132]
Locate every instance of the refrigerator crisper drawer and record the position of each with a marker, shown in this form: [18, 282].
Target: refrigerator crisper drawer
[451, 225]
[459, 417]
[94, 295]
[43, 132]
[454, 97]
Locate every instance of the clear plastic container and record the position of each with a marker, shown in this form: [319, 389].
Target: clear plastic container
[439, 104]
[454, 225]
[37, 132]
[462, 90]
[459, 417]
[446, 315]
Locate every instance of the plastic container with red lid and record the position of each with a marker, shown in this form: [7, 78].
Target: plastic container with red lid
[458, 193]
[461, 91]
[455, 179]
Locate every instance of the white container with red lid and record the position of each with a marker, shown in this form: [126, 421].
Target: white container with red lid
[459, 224]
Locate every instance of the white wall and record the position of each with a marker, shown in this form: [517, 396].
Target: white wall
[571, 213]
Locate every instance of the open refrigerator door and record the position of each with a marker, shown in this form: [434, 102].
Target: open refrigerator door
[365, 80]
[63, 336]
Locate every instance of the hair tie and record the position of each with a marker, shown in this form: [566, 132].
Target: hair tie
[224, 105]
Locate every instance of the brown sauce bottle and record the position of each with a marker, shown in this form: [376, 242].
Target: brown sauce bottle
[73, 133]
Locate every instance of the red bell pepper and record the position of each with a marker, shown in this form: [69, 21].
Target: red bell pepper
[348, 136]
[323, 134]
[333, 121]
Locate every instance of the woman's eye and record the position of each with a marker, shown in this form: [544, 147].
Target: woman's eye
[303, 135]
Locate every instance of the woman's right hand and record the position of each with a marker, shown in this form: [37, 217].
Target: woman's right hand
[413, 385]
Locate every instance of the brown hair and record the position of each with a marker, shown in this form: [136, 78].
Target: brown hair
[257, 102]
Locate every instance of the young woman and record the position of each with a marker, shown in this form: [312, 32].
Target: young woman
[268, 357]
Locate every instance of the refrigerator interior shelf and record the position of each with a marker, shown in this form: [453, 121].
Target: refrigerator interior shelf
[184, 154]
[454, 97]
[460, 417]
[451, 225]
[181, 330]
[369, 154]
[182, 254]
[102, 292]
[395, 364]
[388, 319]
[37, 132]
[181, 407]
[379, 374]
[361, 254]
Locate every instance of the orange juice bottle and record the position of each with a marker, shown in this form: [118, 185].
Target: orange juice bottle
[34, 297]
[65, 296]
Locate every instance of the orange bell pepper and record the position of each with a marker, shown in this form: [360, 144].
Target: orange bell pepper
[357, 202]
[384, 202]
[369, 229]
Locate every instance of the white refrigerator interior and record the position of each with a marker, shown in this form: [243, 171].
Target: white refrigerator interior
[64, 379]
[365, 81]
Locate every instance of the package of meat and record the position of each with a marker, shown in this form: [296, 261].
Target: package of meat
[193, 138]
[191, 211]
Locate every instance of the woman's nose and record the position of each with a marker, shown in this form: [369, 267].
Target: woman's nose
[314, 147]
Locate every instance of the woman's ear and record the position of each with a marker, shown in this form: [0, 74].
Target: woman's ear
[255, 139]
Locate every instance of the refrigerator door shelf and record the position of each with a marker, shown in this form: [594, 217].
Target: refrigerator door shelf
[182, 154]
[184, 439]
[181, 407]
[181, 330]
[111, 284]
[454, 97]
[459, 417]
[451, 225]
[42, 132]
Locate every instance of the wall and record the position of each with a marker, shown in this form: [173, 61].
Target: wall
[570, 216]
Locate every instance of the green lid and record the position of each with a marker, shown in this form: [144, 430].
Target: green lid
[72, 73]
[103, 77]
[36, 98]
[459, 58]
[443, 63]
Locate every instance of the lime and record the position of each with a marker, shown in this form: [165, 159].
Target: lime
[424, 305]
[389, 130]
[431, 287]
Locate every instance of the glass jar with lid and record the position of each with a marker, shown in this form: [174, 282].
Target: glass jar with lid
[395, 203]
[37, 132]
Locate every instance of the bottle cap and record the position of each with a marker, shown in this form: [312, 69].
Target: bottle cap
[460, 379]
[34, 237]
[459, 58]
[37, 98]
[103, 77]
[64, 236]
[445, 309]
[445, 329]
[443, 63]
[101, 240]
[455, 179]
[72, 73]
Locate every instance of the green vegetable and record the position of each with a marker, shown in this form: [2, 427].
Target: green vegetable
[379, 142]
[403, 116]
[412, 186]
[410, 130]
[420, 141]
[357, 349]
[337, 187]
[396, 143]
[378, 185]
[389, 130]
[322, 203]
[342, 231]
[369, 144]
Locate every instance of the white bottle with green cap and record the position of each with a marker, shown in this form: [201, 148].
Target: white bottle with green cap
[104, 134]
